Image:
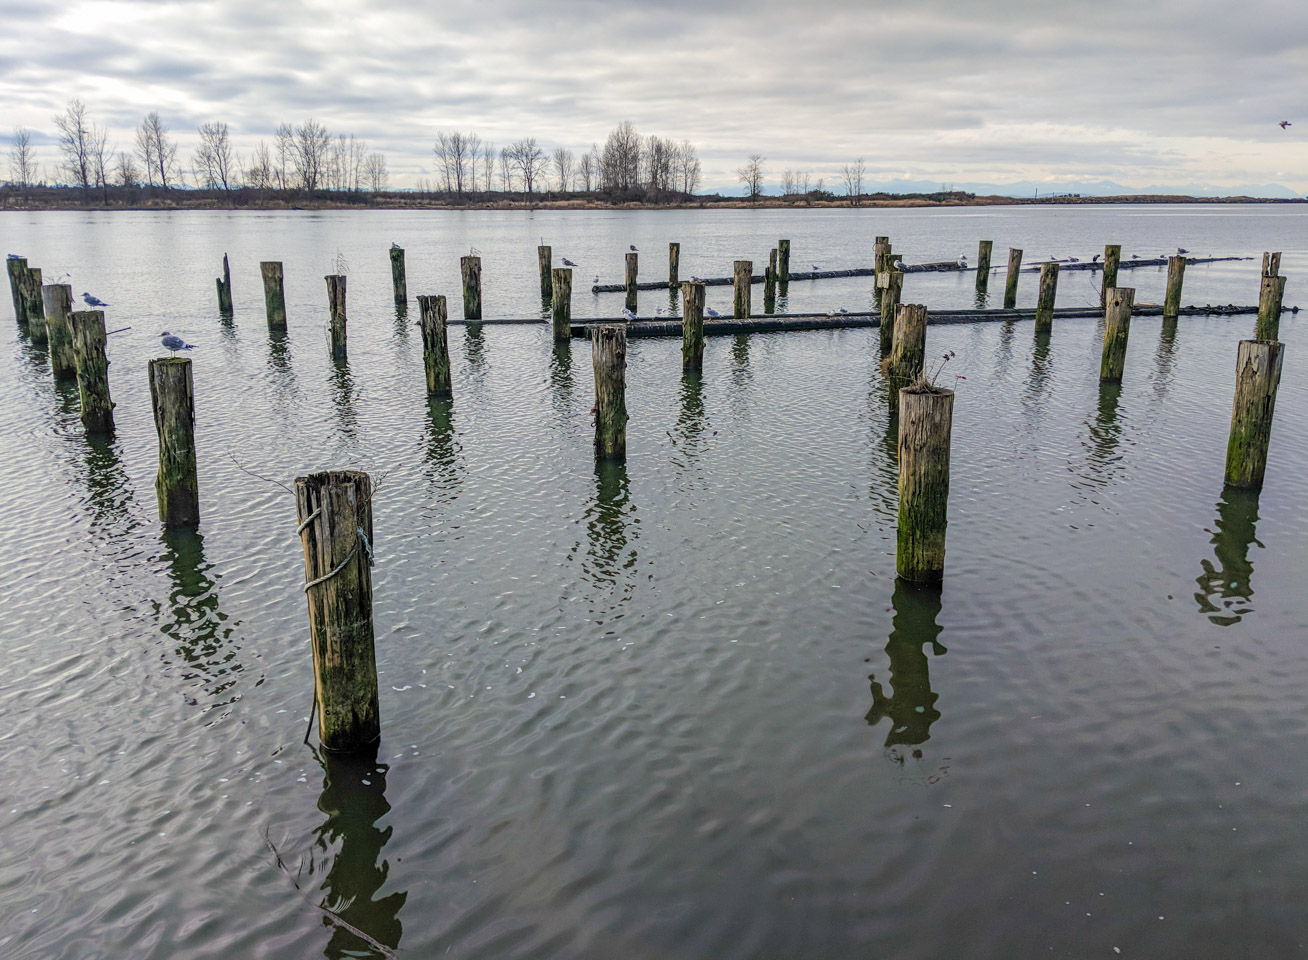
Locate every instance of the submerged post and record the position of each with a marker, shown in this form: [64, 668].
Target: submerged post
[1257, 375]
[631, 280]
[545, 264]
[890, 294]
[1044, 313]
[1112, 260]
[744, 274]
[983, 251]
[770, 283]
[336, 307]
[92, 370]
[399, 281]
[925, 417]
[561, 303]
[1014, 268]
[57, 305]
[1118, 304]
[908, 352]
[674, 265]
[470, 267]
[1270, 296]
[1175, 274]
[225, 290]
[274, 295]
[35, 308]
[17, 267]
[335, 514]
[435, 347]
[608, 344]
[692, 326]
[172, 397]
[783, 261]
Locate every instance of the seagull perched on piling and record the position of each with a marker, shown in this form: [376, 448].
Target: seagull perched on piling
[898, 265]
[568, 263]
[13, 256]
[93, 301]
[633, 249]
[169, 342]
[710, 312]
[627, 314]
[394, 245]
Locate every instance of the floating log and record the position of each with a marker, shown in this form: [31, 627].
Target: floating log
[1175, 274]
[740, 303]
[1257, 375]
[225, 290]
[336, 308]
[890, 295]
[1014, 269]
[1270, 296]
[1117, 327]
[692, 326]
[783, 260]
[1044, 317]
[561, 302]
[435, 347]
[631, 284]
[17, 267]
[470, 268]
[399, 281]
[35, 307]
[674, 265]
[983, 251]
[908, 352]
[56, 306]
[274, 294]
[335, 514]
[92, 370]
[1112, 260]
[172, 398]
[608, 343]
[925, 421]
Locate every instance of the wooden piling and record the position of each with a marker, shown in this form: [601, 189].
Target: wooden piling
[335, 514]
[561, 303]
[470, 267]
[92, 370]
[608, 344]
[1271, 264]
[225, 290]
[1175, 274]
[743, 276]
[1270, 297]
[1044, 313]
[1014, 268]
[983, 251]
[1257, 375]
[35, 307]
[435, 347]
[336, 308]
[1117, 327]
[925, 419]
[56, 305]
[770, 283]
[631, 280]
[882, 262]
[172, 398]
[783, 261]
[1112, 260]
[674, 265]
[692, 327]
[17, 267]
[545, 266]
[274, 294]
[908, 350]
[890, 294]
[399, 281]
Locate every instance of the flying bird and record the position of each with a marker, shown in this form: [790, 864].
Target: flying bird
[628, 314]
[93, 301]
[568, 263]
[659, 311]
[1285, 123]
[169, 342]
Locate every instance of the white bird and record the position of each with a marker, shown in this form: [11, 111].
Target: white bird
[394, 245]
[659, 311]
[710, 312]
[837, 311]
[696, 280]
[628, 314]
[93, 301]
[172, 343]
[596, 278]
[898, 265]
[962, 261]
[568, 263]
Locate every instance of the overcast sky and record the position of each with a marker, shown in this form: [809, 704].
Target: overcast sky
[996, 91]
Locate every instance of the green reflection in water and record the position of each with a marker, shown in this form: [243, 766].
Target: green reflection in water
[562, 384]
[1226, 586]
[443, 452]
[608, 564]
[911, 710]
[343, 397]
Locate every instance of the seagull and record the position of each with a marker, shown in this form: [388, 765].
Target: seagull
[633, 249]
[1285, 123]
[1073, 259]
[659, 311]
[13, 256]
[837, 311]
[596, 278]
[628, 314]
[1095, 258]
[898, 265]
[172, 343]
[1181, 251]
[1135, 256]
[394, 245]
[710, 312]
[816, 268]
[962, 261]
[696, 280]
[93, 301]
[568, 263]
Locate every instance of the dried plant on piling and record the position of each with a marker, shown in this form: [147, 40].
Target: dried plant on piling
[926, 382]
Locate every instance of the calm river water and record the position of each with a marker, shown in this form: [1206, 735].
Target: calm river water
[677, 709]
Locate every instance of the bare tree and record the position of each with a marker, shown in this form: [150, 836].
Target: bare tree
[586, 171]
[689, 171]
[101, 157]
[529, 160]
[157, 150]
[145, 151]
[375, 173]
[284, 149]
[260, 174]
[620, 161]
[851, 174]
[563, 161]
[75, 144]
[506, 170]
[214, 161]
[312, 143]
[788, 183]
[22, 161]
[488, 166]
[752, 175]
[457, 155]
[129, 174]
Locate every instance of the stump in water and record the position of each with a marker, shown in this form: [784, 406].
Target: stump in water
[1270, 297]
[17, 267]
[890, 294]
[545, 267]
[608, 344]
[435, 347]
[1014, 268]
[1257, 375]
[770, 283]
[925, 417]
[632, 267]
[783, 262]
[1117, 326]
[674, 265]
[1175, 274]
[742, 277]
[1044, 313]
[35, 306]
[908, 352]
[336, 308]
[1112, 259]
[470, 267]
[983, 251]
[225, 290]
[335, 514]
[92, 370]
[274, 294]
[172, 397]
[399, 281]
[57, 305]
[561, 306]
[692, 326]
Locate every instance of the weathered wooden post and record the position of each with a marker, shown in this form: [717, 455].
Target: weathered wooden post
[1044, 314]
[882, 262]
[783, 262]
[470, 267]
[770, 283]
[274, 294]
[35, 307]
[435, 347]
[890, 294]
[225, 290]
[925, 417]
[1270, 297]
[744, 274]
[336, 308]
[545, 266]
[1112, 260]
[631, 280]
[1014, 268]
[983, 251]
[1175, 274]
[56, 305]
[1257, 375]
[562, 303]
[692, 326]
[674, 265]
[92, 370]
[172, 397]
[608, 344]
[399, 281]
[908, 352]
[335, 513]
[17, 267]
[1117, 327]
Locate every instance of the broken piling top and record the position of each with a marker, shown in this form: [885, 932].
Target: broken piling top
[1257, 376]
[399, 280]
[925, 422]
[1118, 303]
[470, 268]
[336, 314]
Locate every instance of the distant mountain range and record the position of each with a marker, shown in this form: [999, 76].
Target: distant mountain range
[1027, 188]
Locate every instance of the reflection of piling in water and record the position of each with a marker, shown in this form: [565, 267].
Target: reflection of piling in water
[925, 421]
[1117, 328]
[1257, 375]
[632, 280]
[743, 273]
[674, 265]
[983, 251]
[442, 450]
[1042, 369]
[1271, 294]
[172, 398]
[343, 397]
[225, 290]
[274, 294]
[92, 370]
[1105, 430]
[435, 348]
[911, 709]
[561, 303]
[692, 326]
[1226, 587]
[545, 267]
[470, 269]
[194, 619]
[57, 306]
[610, 555]
[608, 344]
[336, 309]
[1014, 271]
